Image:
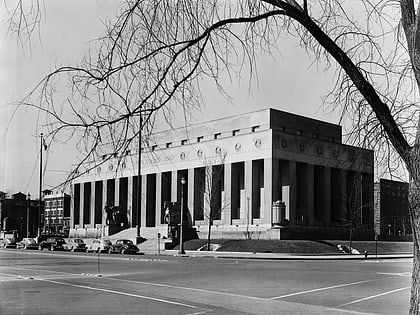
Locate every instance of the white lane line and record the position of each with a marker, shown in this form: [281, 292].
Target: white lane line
[125, 294]
[190, 289]
[394, 274]
[374, 296]
[324, 288]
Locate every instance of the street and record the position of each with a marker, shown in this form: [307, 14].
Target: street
[34, 282]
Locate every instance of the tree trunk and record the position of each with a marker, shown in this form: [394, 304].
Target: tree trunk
[414, 205]
[209, 235]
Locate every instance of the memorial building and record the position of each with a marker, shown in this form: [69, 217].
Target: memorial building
[268, 172]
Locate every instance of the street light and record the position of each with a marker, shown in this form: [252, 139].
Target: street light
[28, 206]
[181, 244]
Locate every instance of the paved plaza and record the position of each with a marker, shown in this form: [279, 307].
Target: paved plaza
[35, 282]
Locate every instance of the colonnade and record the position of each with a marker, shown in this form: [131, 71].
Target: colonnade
[242, 193]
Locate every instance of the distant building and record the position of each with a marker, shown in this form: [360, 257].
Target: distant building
[256, 161]
[57, 213]
[391, 208]
[19, 214]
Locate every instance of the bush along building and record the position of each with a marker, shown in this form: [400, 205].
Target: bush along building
[265, 174]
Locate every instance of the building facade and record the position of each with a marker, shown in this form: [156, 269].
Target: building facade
[391, 208]
[57, 213]
[19, 215]
[236, 168]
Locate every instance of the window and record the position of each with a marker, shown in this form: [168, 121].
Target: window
[184, 142]
[255, 128]
[168, 145]
[217, 135]
[200, 139]
[235, 132]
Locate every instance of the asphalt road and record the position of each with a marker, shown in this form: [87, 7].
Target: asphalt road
[33, 282]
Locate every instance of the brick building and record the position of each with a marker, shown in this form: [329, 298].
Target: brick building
[391, 208]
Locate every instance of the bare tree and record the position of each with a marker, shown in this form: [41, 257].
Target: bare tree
[213, 187]
[155, 53]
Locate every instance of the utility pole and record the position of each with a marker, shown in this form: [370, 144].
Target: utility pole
[40, 184]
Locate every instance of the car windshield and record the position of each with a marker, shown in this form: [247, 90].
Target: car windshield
[127, 242]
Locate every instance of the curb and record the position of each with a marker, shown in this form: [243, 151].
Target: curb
[283, 256]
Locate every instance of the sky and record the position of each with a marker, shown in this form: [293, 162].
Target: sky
[287, 82]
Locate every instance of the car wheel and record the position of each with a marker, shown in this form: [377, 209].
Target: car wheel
[123, 251]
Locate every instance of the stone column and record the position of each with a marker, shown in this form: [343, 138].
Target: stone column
[248, 192]
[310, 195]
[174, 186]
[327, 197]
[104, 201]
[92, 203]
[117, 192]
[190, 193]
[271, 188]
[130, 201]
[227, 202]
[71, 209]
[143, 200]
[82, 204]
[158, 212]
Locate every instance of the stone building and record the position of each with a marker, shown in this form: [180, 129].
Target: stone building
[246, 163]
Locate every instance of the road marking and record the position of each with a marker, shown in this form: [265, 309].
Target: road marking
[324, 288]
[191, 289]
[374, 296]
[394, 274]
[127, 294]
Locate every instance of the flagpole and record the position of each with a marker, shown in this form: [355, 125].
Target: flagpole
[139, 184]
[40, 184]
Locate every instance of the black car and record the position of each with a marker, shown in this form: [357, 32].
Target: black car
[52, 243]
[123, 247]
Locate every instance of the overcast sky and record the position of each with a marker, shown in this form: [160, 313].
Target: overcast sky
[287, 82]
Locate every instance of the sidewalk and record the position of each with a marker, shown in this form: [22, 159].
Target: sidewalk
[281, 256]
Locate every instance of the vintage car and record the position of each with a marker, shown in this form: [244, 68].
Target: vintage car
[75, 245]
[123, 247]
[99, 245]
[52, 243]
[27, 243]
[8, 242]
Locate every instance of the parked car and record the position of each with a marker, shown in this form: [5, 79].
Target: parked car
[27, 243]
[99, 245]
[8, 242]
[52, 243]
[123, 247]
[75, 245]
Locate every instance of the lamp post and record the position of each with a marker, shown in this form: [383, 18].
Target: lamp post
[28, 206]
[181, 243]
